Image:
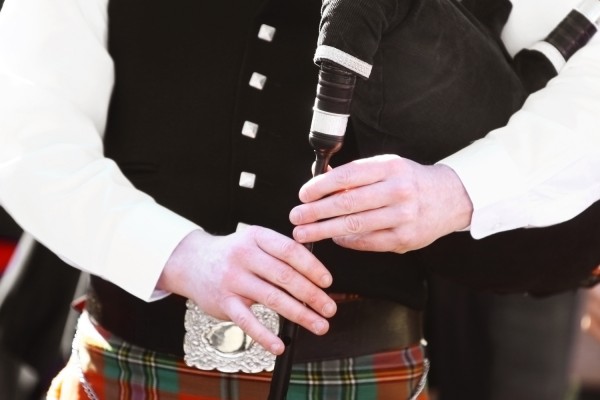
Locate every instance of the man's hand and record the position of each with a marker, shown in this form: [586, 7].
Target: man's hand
[225, 275]
[591, 319]
[383, 203]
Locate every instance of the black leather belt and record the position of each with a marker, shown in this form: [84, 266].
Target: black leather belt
[360, 327]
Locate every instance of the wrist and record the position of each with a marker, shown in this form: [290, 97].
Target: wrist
[458, 206]
[182, 257]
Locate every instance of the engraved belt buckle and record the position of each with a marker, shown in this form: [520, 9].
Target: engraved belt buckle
[211, 343]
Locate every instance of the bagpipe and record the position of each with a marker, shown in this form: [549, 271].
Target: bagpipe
[442, 65]
[387, 66]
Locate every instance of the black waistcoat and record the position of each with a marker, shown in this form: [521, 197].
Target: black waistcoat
[182, 97]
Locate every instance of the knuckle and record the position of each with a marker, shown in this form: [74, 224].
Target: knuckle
[352, 224]
[257, 233]
[395, 162]
[274, 299]
[312, 297]
[227, 305]
[236, 253]
[403, 188]
[346, 202]
[230, 274]
[402, 235]
[287, 248]
[406, 214]
[243, 321]
[343, 177]
[405, 239]
[285, 276]
[226, 276]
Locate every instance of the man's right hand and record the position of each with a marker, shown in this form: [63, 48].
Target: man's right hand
[225, 275]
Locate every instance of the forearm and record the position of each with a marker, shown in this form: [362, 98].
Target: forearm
[543, 168]
[54, 179]
[79, 205]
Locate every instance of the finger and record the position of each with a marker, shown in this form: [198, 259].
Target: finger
[295, 255]
[298, 286]
[353, 224]
[284, 304]
[290, 266]
[242, 316]
[354, 174]
[380, 241]
[342, 203]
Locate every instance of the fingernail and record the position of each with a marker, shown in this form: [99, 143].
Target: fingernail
[326, 280]
[329, 309]
[319, 327]
[299, 235]
[302, 193]
[294, 216]
[276, 348]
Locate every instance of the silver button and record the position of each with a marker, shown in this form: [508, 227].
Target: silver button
[249, 129]
[266, 33]
[247, 179]
[258, 81]
[241, 226]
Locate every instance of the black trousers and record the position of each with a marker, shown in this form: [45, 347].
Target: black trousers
[485, 346]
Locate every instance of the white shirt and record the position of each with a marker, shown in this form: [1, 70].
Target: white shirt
[544, 166]
[56, 79]
[55, 83]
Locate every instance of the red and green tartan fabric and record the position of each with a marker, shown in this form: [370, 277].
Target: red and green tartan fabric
[117, 370]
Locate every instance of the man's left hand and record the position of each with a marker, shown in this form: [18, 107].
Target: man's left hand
[382, 203]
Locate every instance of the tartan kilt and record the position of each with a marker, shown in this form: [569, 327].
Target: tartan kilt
[117, 370]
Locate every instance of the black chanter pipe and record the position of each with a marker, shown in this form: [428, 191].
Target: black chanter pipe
[331, 112]
[330, 117]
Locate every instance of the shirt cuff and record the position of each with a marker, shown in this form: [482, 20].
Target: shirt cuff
[141, 246]
[492, 182]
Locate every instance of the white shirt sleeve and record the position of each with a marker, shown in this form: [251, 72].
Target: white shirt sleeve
[543, 167]
[56, 78]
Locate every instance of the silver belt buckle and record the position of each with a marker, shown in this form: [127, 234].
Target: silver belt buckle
[211, 343]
